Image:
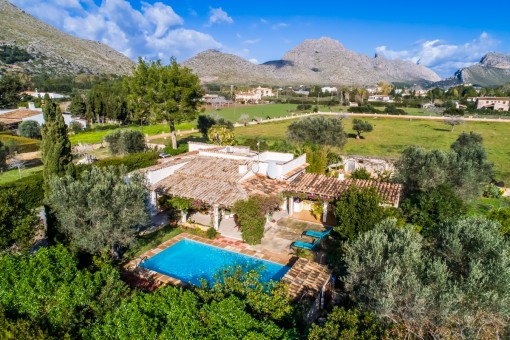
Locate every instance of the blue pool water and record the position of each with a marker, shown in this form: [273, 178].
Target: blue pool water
[190, 261]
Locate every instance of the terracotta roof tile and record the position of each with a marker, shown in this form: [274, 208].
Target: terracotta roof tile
[332, 187]
[17, 116]
[306, 278]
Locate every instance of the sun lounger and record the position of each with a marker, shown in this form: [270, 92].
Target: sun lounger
[305, 245]
[316, 234]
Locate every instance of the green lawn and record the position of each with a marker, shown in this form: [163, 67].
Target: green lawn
[254, 111]
[93, 137]
[391, 136]
[12, 175]
[483, 205]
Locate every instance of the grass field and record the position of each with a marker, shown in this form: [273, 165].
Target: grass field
[391, 136]
[12, 175]
[254, 111]
[93, 137]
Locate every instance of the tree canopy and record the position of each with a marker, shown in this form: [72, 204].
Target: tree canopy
[318, 130]
[357, 211]
[29, 129]
[221, 135]
[49, 290]
[100, 210]
[360, 126]
[456, 285]
[464, 168]
[124, 141]
[18, 221]
[169, 93]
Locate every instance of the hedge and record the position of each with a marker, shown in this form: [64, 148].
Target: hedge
[30, 188]
[21, 144]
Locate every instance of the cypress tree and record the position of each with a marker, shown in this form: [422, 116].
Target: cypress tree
[55, 146]
[56, 157]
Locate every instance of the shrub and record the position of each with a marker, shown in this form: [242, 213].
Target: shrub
[393, 110]
[364, 109]
[492, 191]
[211, 233]
[251, 216]
[30, 188]
[75, 127]
[29, 129]
[125, 141]
[132, 161]
[361, 173]
[181, 148]
[20, 144]
[304, 107]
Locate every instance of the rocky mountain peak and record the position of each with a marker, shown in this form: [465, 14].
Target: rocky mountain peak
[52, 51]
[497, 60]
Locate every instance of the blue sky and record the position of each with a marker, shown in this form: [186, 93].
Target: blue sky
[442, 35]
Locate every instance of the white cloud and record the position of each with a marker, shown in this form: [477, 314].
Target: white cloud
[443, 58]
[251, 41]
[253, 61]
[280, 25]
[218, 16]
[154, 31]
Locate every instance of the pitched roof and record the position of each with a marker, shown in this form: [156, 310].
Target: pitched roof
[306, 278]
[332, 187]
[212, 180]
[215, 168]
[259, 184]
[17, 116]
[210, 191]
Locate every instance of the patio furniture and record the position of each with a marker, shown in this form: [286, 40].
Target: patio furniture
[305, 245]
[316, 234]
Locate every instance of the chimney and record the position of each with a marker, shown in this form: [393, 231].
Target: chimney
[341, 176]
[243, 168]
[31, 106]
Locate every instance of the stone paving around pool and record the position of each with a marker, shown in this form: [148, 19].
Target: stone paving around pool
[220, 242]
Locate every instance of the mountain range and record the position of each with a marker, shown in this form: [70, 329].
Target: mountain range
[317, 61]
[493, 69]
[31, 46]
[50, 51]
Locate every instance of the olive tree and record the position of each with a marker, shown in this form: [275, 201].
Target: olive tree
[455, 285]
[360, 126]
[29, 129]
[101, 210]
[318, 130]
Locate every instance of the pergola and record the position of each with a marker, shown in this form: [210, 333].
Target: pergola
[325, 189]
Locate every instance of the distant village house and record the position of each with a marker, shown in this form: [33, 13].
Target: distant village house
[493, 103]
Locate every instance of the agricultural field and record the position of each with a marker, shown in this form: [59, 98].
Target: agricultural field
[391, 136]
[261, 111]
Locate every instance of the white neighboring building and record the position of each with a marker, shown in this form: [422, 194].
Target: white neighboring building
[264, 92]
[328, 89]
[52, 95]
[380, 98]
[39, 118]
[493, 103]
[254, 96]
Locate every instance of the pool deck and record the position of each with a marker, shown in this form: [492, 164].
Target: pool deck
[220, 242]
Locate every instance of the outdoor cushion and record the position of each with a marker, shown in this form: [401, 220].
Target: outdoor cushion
[316, 234]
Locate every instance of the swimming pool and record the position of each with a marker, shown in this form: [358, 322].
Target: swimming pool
[189, 261]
